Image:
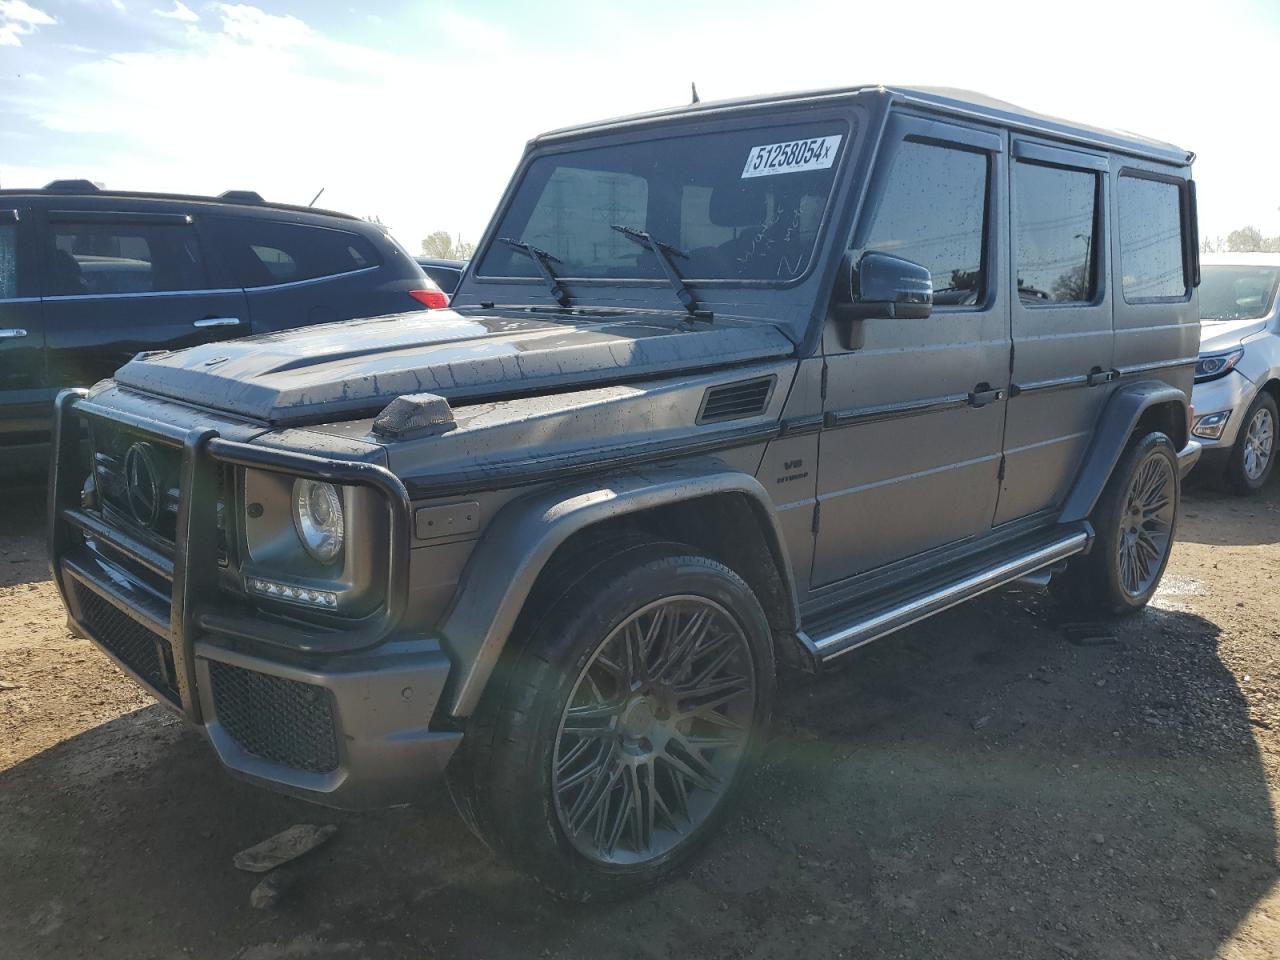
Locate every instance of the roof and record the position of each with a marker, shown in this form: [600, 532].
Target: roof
[946, 99]
[233, 198]
[1240, 259]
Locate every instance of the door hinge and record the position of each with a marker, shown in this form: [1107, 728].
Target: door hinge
[823, 381]
[817, 514]
[1013, 347]
[1000, 471]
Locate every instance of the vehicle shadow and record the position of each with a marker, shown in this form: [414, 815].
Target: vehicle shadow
[1229, 520]
[23, 558]
[977, 786]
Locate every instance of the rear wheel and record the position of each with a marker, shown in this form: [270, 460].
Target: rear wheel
[1253, 455]
[1134, 523]
[611, 743]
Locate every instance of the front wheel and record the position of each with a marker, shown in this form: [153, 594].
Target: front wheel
[1134, 523]
[1252, 457]
[612, 741]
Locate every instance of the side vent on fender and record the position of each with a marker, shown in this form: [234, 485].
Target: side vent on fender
[733, 401]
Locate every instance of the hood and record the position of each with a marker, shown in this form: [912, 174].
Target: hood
[325, 373]
[1220, 336]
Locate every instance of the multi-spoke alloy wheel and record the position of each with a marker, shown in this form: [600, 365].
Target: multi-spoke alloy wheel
[1259, 439]
[617, 732]
[654, 730]
[1134, 523]
[1146, 525]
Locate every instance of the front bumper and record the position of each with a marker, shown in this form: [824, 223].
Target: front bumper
[342, 718]
[1232, 392]
[1188, 457]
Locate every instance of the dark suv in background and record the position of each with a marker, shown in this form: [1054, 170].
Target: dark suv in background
[90, 277]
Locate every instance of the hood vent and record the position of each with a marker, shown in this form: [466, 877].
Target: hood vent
[732, 401]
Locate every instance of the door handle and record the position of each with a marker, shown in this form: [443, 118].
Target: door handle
[1098, 376]
[983, 394]
[218, 322]
[12, 333]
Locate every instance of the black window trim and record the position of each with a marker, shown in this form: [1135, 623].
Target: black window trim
[121, 217]
[1060, 159]
[1186, 225]
[911, 128]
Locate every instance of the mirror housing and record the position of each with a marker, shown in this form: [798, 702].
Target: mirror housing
[882, 285]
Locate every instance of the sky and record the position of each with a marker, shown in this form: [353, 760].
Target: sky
[417, 112]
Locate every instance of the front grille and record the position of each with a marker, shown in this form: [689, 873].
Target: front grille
[143, 651]
[280, 720]
[111, 445]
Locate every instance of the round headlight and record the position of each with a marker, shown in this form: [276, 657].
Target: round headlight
[317, 513]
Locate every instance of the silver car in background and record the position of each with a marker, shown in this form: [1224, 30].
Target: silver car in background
[1238, 370]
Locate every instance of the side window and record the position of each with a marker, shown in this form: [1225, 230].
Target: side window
[444, 278]
[114, 258]
[1151, 242]
[8, 261]
[1056, 233]
[265, 252]
[933, 211]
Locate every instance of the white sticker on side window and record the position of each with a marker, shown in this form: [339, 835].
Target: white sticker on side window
[816, 153]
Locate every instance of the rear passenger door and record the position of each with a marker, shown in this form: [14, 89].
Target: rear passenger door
[118, 283]
[24, 396]
[302, 273]
[910, 448]
[1062, 327]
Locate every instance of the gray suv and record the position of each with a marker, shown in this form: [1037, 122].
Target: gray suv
[726, 388]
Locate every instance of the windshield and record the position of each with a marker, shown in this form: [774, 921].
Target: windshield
[741, 205]
[1236, 292]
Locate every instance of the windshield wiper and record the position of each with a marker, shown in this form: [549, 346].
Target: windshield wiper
[542, 260]
[663, 252]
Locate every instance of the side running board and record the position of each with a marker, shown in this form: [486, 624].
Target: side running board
[871, 621]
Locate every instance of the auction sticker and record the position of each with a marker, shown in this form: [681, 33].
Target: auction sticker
[816, 153]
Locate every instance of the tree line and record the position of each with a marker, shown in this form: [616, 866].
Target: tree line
[442, 245]
[1243, 240]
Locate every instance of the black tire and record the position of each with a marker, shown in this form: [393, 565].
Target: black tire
[1239, 477]
[1101, 581]
[502, 778]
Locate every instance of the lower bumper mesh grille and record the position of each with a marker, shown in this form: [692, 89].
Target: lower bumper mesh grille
[140, 649]
[280, 720]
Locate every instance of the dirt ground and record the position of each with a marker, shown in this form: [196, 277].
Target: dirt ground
[984, 785]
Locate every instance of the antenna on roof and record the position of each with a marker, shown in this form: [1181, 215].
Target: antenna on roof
[694, 88]
[316, 197]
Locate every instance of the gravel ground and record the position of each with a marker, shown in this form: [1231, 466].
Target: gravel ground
[988, 784]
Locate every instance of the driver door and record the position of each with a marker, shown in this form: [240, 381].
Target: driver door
[910, 452]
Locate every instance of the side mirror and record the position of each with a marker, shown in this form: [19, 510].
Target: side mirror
[882, 285]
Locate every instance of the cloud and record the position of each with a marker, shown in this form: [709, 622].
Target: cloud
[19, 19]
[257, 27]
[180, 12]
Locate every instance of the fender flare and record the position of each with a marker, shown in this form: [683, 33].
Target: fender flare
[1119, 417]
[502, 569]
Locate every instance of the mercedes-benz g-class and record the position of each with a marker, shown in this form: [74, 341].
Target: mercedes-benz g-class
[726, 387]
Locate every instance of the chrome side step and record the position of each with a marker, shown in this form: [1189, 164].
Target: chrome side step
[872, 624]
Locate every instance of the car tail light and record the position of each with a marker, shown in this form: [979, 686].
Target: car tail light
[433, 298]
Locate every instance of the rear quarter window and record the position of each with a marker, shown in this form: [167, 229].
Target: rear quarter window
[1151, 239]
[265, 252]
